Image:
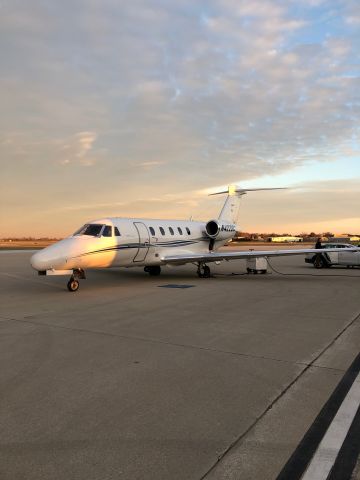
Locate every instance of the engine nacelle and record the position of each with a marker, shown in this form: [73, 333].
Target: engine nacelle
[214, 229]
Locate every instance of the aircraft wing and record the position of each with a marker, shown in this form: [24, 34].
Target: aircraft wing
[218, 256]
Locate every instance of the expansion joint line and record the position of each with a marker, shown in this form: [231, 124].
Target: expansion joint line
[182, 345]
[171, 344]
[279, 396]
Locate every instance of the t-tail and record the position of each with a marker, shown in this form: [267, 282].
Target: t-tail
[230, 210]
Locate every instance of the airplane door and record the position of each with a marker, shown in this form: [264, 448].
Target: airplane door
[144, 241]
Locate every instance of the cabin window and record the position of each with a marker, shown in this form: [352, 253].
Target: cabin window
[188, 230]
[180, 231]
[117, 233]
[171, 231]
[162, 231]
[152, 231]
[107, 232]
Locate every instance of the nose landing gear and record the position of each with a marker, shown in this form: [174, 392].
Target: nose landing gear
[74, 284]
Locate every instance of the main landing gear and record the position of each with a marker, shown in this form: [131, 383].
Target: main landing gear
[154, 270]
[74, 284]
[203, 271]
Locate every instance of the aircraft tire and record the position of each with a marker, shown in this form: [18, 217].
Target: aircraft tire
[154, 271]
[204, 271]
[207, 271]
[73, 285]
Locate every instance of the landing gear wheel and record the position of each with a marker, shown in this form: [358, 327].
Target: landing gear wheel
[73, 285]
[203, 271]
[153, 271]
[206, 271]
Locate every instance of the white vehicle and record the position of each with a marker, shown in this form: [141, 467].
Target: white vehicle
[148, 243]
[335, 254]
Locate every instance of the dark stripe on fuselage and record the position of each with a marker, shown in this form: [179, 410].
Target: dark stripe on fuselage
[177, 243]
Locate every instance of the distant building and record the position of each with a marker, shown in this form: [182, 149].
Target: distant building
[346, 239]
[285, 239]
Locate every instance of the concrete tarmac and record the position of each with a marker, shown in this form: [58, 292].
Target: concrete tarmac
[127, 380]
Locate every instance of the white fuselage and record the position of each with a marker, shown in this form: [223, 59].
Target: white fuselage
[142, 242]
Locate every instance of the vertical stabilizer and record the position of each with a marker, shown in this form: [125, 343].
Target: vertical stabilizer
[230, 210]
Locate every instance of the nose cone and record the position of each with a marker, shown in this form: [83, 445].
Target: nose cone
[52, 257]
[41, 260]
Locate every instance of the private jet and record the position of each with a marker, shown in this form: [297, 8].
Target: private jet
[150, 243]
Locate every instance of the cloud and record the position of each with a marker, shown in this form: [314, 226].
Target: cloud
[352, 14]
[208, 91]
[151, 164]
[75, 149]
[79, 148]
[328, 205]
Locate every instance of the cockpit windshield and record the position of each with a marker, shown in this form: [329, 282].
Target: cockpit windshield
[92, 229]
[95, 230]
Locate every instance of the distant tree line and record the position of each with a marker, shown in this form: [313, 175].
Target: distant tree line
[246, 236]
[29, 239]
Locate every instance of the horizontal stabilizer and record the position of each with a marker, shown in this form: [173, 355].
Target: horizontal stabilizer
[231, 206]
[233, 189]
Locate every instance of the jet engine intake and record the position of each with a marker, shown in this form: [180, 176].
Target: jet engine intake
[212, 229]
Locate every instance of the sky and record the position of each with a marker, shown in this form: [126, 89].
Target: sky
[141, 108]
